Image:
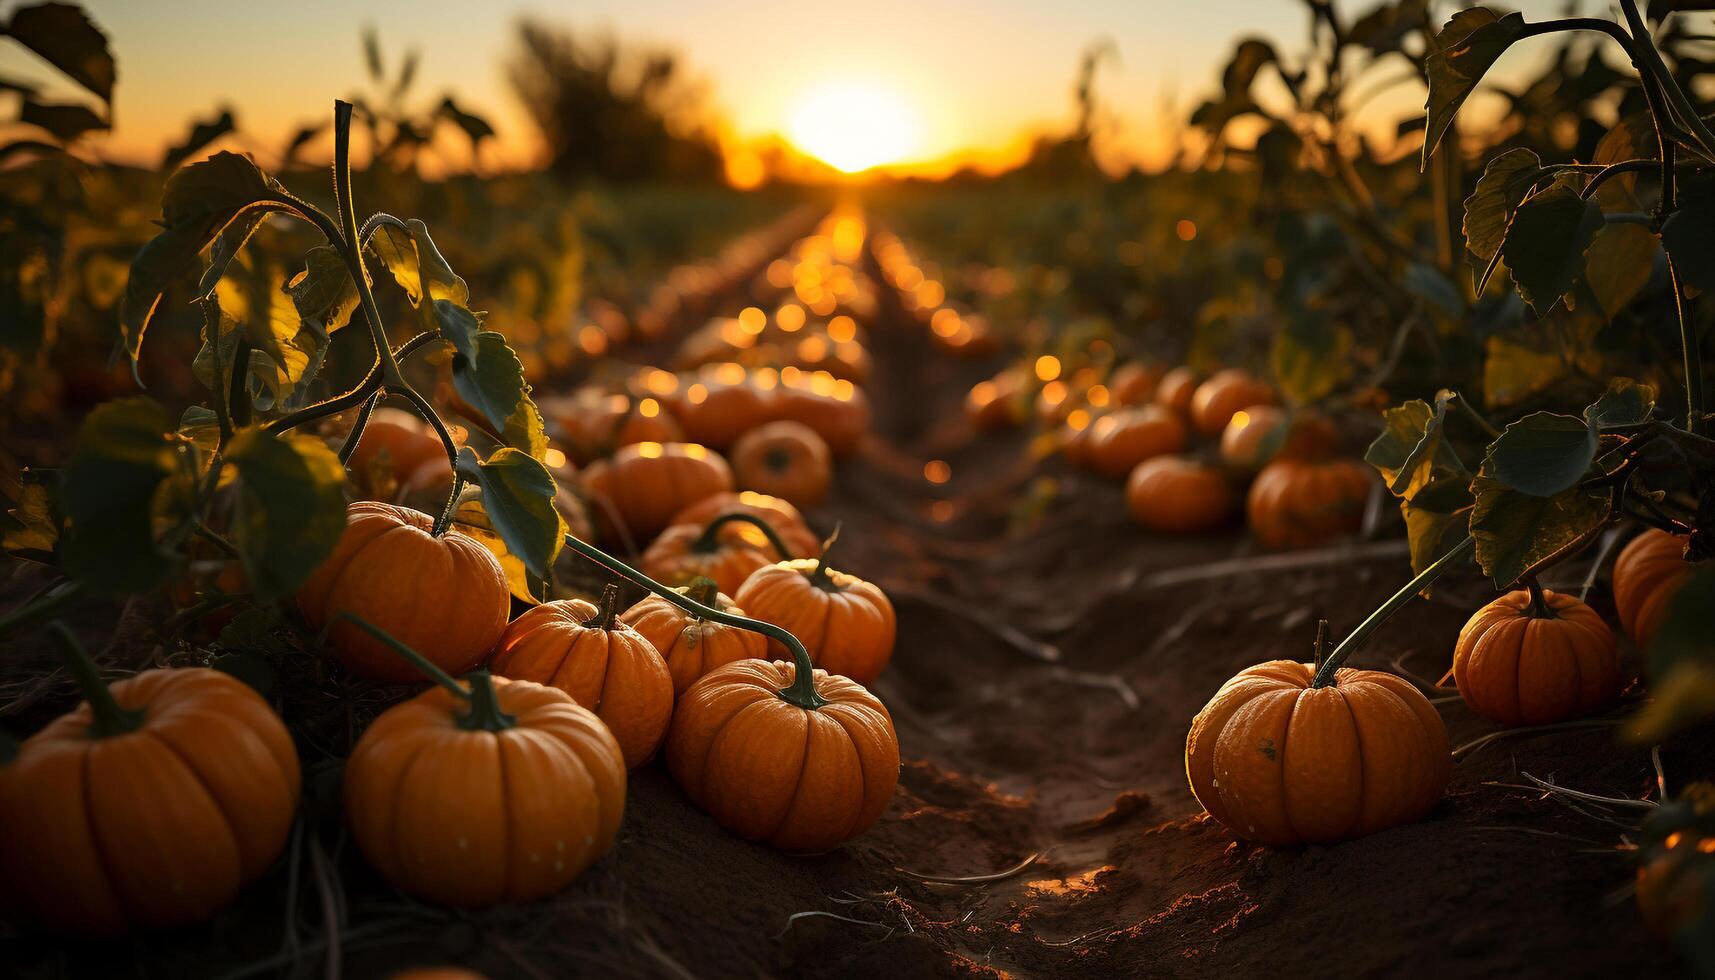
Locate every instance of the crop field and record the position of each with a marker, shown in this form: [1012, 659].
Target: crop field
[647, 550]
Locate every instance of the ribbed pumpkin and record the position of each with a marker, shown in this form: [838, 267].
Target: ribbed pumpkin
[1532, 657]
[837, 410]
[1260, 433]
[502, 794]
[719, 403]
[780, 515]
[1226, 392]
[726, 550]
[404, 447]
[1134, 383]
[1649, 572]
[994, 404]
[1120, 440]
[1279, 761]
[1177, 388]
[645, 484]
[592, 423]
[784, 459]
[444, 596]
[692, 646]
[846, 623]
[803, 767]
[1179, 495]
[151, 804]
[602, 663]
[1298, 503]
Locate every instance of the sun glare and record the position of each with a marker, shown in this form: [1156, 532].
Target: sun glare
[853, 126]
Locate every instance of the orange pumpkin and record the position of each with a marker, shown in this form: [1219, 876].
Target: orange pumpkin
[225, 578]
[1532, 657]
[1649, 572]
[719, 403]
[1226, 392]
[601, 662]
[1179, 495]
[1134, 383]
[1278, 760]
[1298, 503]
[1176, 389]
[837, 410]
[151, 804]
[1260, 433]
[444, 596]
[803, 770]
[726, 550]
[846, 623]
[402, 445]
[690, 645]
[1120, 440]
[993, 404]
[785, 459]
[645, 484]
[592, 423]
[780, 515]
[502, 792]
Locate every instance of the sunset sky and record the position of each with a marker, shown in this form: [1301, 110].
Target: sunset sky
[971, 77]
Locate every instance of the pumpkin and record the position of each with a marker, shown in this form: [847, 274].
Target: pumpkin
[1649, 572]
[719, 403]
[1176, 389]
[1532, 657]
[645, 484]
[592, 423]
[784, 459]
[993, 404]
[1179, 495]
[403, 446]
[1279, 760]
[837, 410]
[602, 663]
[151, 804]
[207, 581]
[1120, 440]
[726, 550]
[801, 766]
[444, 596]
[1226, 392]
[846, 623]
[778, 514]
[502, 792]
[1134, 383]
[1297, 503]
[1260, 433]
[693, 646]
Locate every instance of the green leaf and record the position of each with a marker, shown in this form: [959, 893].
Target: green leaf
[472, 519]
[410, 254]
[324, 293]
[1546, 242]
[125, 452]
[493, 383]
[1412, 451]
[200, 426]
[1505, 183]
[1310, 358]
[290, 511]
[518, 497]
[1542, 453]
[1689, 234]
[1462, 53]
[1618, 266]
[64, 36]
[1516, 530]
[65, 122]
[1626, 402]
[1436, 517]
[200, 136]
[288, 351]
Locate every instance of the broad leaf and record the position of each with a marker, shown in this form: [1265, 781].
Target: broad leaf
[290, 511]
[1505, 183]
[1546, 242]
[492, 382]
[1462, 53]
[1516, 530]
[1542, 453]
[1411, 451]
[1436, 517]
[66, 122]
[472, 519]
[518, 497]
[1618, 266]
[125, 451]
[324, 293]
[200, 136]
[64, 36]
[1310, 358]
[1626, 402]
[288, 351]
[1689, 234]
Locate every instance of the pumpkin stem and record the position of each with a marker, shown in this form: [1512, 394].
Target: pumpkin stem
[1539, 607]
[819, 574]
[422, 663]
[710, 541]
[1337, 659]
[801, 693]
[1319, 651]
[703, 590]
[485, 714]
[109, 718]
[608, 610]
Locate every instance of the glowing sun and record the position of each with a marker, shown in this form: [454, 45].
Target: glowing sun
[853, 126]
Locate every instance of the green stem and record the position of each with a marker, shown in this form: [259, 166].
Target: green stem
[709, 540]
[429, 415]
[355, 436]
[45, 605]
[347, 243]
[1325, 675]
[238, 395]
[109, 718]
[1668, 85]
[802, 691]
[1690, 347]
[484, 714]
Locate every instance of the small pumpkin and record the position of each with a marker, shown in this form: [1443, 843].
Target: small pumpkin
[444, 596]
[1649, 572]
[404, 447]
[495, 791]
[1179, 495]
[1260, 433]
[151, 804]
[1120, 440]
[592, 423]
[602, 663]
[693, 646]
[645, 484]
[726, 550]
[1227, 392]
[778, 514]
[837, 410]
[719, 403]
[1278, 759]
[993, 404]
[1177, 388]
[798, 758]
[846, 623]
[784, 459]
[1134, 383]
[1298, 503]
[1533, 656]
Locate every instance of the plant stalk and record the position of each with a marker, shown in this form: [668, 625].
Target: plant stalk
[1325, 675]
[108, 717]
